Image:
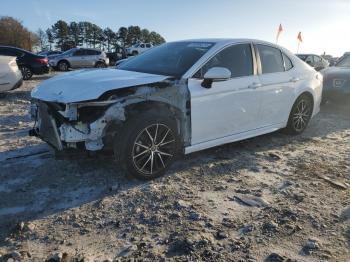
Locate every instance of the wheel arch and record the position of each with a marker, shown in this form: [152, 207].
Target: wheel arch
[132, 110]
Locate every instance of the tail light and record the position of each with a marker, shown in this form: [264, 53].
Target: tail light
[43, 61]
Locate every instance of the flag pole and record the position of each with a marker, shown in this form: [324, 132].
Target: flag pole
[298, 47]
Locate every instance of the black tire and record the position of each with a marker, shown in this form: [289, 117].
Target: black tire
[26, 72]
[134, 53]
[136, 152]
[63, 66]
[300, 115]
[100, 65]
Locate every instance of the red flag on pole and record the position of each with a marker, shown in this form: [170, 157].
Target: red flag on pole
[300, 40]
[279, 31]
[299, 37]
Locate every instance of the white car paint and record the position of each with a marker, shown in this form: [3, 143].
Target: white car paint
[231, 110]
[250, 106]
[10, 75]
[82, 85]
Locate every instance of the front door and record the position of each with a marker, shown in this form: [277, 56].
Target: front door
[228, 107]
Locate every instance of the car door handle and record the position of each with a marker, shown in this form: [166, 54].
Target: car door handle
[254, 85]
[294, 79]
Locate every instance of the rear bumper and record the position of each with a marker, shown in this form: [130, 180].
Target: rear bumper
[41, 69]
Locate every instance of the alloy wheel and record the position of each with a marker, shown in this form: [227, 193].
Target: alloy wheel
[26, 73]
[153, 149]
[63, 66]
[301, 115]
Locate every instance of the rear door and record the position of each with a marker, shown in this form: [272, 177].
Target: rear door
[277, 77]
[92, 56]
[228, 107]
[78, 58]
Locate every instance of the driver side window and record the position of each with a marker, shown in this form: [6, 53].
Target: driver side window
[236, 58]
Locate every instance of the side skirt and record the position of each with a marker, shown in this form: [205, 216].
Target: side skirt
[234, 138]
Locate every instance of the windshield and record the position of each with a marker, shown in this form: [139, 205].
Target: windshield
[170, 59]
[344, 62]
[68, 51]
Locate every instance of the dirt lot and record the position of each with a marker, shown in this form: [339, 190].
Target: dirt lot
[270, 198]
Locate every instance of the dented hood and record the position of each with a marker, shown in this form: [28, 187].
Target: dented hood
[89, 84]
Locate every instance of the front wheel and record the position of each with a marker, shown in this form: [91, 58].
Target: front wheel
[63, 66]
[150, 146]
[300, 115]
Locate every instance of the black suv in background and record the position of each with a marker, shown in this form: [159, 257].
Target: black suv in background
[29, 63]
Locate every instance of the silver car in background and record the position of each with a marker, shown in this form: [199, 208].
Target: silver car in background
[10, 75]
[317, 62]
[79, 58]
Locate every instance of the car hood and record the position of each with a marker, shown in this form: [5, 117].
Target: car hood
[83, 85]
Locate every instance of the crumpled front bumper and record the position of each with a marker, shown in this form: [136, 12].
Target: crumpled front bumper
[45, 125]
[59, 132]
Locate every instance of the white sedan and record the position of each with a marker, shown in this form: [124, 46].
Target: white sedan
[10, 75]
[176, 98]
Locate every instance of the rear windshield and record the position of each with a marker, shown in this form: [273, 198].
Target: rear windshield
[344, 62]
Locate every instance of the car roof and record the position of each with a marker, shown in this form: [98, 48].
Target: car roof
[12, 47]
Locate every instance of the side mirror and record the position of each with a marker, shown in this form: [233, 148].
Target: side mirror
[215, 74]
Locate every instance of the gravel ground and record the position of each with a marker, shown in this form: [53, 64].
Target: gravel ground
[271, 198]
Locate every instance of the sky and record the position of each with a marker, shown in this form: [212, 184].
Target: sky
[324, 24]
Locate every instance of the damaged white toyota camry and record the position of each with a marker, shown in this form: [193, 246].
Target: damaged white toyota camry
[177, 98]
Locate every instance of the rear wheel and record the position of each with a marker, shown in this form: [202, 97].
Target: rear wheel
[100, 65]
[300, 115]
[63, 66]
[148, 146]
[26, 73]
[135, 53]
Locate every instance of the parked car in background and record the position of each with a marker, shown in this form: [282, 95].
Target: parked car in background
[179, 97]
[30, 64]
[79, 58]
[336, 79]
[138, 48]
[113, 57]
[10, 75]
[315, 61]
[50, 53]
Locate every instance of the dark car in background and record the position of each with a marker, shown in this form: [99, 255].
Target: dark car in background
[315, 61]
[336, 79]
[30, 64]
[50, 53]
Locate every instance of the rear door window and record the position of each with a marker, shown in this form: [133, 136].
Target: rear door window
[79, 52]
[236, 58]
[271, 59]
[92, 52]
[287, 63]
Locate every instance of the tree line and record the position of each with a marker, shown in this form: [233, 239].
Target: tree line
[63, 36]
[13, 33]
